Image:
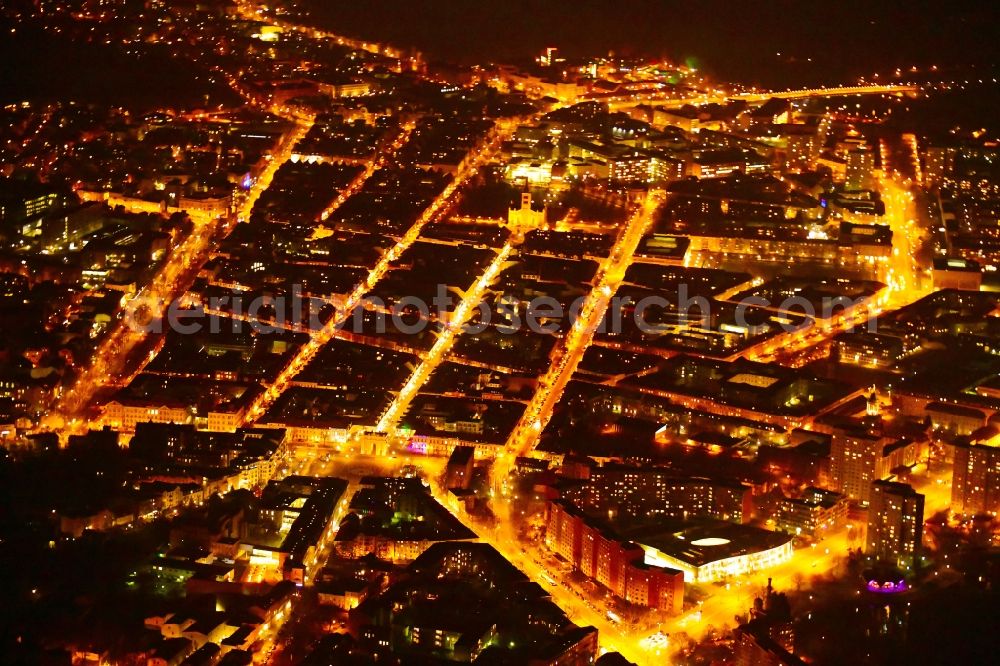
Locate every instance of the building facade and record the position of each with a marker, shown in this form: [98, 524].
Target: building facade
[975, 481]
[895, 523]
[633, 491]
[618, 565]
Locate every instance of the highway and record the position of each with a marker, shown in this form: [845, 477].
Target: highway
[834, 91]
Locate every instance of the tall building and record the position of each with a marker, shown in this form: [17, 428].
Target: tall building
[665, 169]
[822, 132]
[800, 142]
[549, 56]
[633, 166]
[895, 523]
[860, 165]
[458, 472]
[975, 481]
[858, 457]
[939, 164]
[853, 462]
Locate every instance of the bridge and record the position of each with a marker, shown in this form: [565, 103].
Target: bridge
[675, 103]
[831, 92]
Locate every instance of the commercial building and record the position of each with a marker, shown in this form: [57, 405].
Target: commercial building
[956, 273]
[895, 523]
[713, 550]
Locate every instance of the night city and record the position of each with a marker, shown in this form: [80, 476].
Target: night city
[524, 333]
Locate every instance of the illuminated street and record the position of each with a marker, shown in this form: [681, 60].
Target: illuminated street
[176, 274]
[568, 355]
[319, 339]
[474, 333]
[453, 328]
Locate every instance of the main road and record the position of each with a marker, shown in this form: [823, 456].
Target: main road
[305, 353]
[501, 535]
[255, 11]
[114, 353]
[567, 356]
[446, 338]
[905, 276]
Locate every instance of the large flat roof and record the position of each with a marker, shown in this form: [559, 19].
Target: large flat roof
[700, 543]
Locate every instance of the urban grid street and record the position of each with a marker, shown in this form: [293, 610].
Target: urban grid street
[716, 380]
